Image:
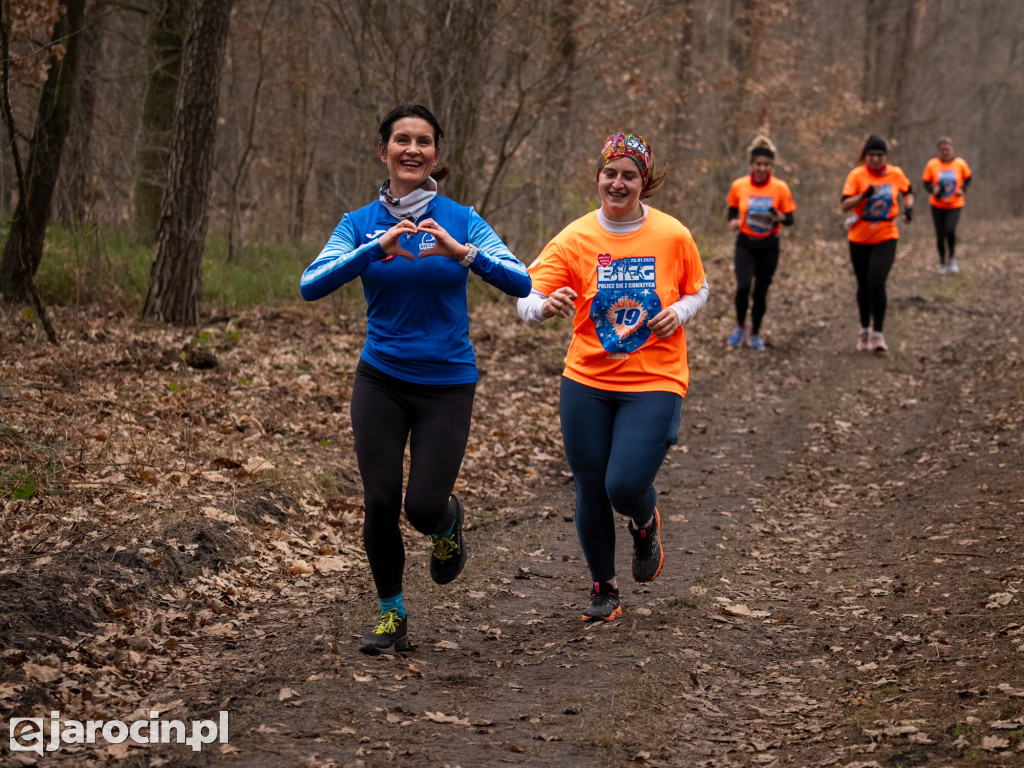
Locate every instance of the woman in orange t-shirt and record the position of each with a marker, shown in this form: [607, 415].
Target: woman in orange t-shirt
[759, 205]
[629, 276]
[871, 191]
[946, 179]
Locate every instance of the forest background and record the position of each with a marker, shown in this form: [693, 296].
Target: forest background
[180, 509]
[526, 91]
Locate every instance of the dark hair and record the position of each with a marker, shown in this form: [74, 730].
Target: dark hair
[409, 109]
[873, 144]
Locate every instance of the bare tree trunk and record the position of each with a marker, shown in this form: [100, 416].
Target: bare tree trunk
[740, 36]
[740, 56]
[24, 247]
[302, 153]
[164, 46]
[558, 145]
[72, 187]
[908, 42]
[684, 76]
[456, 80]
[874, 44]
[248, 142]
[175, 281]
[300, 168]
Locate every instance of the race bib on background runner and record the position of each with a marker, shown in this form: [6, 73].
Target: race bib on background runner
[879, 204]
[947, 184]
[759, 214]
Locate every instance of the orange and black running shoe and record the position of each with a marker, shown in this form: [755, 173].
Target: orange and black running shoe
[648, 555]
[604, 603]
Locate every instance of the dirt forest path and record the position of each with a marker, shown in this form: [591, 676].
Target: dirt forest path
[842, 584]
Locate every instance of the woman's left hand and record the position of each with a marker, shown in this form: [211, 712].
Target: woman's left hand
[444, 244]
[665, 323]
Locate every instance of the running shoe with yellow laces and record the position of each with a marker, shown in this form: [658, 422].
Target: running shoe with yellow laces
[648, 555]
[448, 550]
[391, 634]
[604, 603]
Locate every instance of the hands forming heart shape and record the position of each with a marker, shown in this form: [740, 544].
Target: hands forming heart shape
[444, 244]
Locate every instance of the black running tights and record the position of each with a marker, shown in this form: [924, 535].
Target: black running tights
[434, 419]
[871, 265]
[945, 220]
[754, 266]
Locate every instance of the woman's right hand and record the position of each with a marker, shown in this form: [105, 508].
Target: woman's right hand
[390, 241]
[561, 302]
[734, 225]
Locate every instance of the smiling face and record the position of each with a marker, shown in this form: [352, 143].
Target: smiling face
[619, 185]
[411, 153]
[761, 167]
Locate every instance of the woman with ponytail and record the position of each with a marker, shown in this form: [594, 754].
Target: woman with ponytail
[760, 204]
[413, 250]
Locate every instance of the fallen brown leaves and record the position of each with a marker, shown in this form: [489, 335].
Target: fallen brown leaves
[843, 575]
[170, 502]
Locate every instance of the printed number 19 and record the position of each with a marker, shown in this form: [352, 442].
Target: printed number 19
[627, 316]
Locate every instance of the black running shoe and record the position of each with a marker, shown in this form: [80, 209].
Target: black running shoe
[448, 553]
[391, 634]
[604, 603]
[648, 556]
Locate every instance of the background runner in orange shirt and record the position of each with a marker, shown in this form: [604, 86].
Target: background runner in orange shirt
[759, 205]
[946, 178]
[872, 192]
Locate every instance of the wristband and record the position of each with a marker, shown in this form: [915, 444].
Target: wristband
[471, 256]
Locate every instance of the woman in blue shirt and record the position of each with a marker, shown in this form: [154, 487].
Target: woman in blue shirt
[413, 250]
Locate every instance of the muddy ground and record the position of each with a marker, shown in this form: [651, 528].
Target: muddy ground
[843, 533]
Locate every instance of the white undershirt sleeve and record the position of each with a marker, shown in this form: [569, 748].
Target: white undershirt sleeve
[531, 308]
[688, 304]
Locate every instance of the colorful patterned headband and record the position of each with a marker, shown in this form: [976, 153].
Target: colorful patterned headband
[630, 145]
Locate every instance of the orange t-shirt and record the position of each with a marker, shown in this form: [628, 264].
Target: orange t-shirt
[622, 282]
[947, 180]
[755, 204]
[876, 216]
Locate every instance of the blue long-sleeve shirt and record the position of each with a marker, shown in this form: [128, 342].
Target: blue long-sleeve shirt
[417, 312]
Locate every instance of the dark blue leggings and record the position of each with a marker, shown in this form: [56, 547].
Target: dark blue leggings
[434, 420]
[615, 443]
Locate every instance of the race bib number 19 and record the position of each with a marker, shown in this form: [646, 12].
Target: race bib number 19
[625, 302]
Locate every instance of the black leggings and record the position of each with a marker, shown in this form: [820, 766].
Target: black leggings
[387, 412]
[945, 220]
[871, 265]
[754, 265]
